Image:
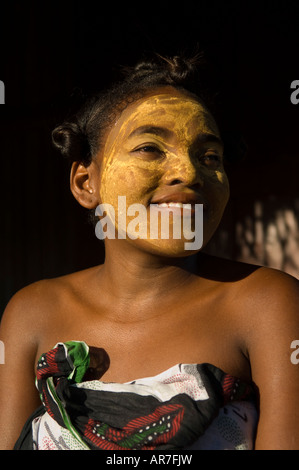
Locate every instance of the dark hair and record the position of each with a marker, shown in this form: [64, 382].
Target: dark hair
[80, 138]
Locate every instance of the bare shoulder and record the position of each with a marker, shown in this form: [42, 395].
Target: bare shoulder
[265, 305]
[31, 303]
[269, 278]
[274, 329]
[34, 304]
[269, 304]
[253, 286]
[261, 304]
[21, 326]
[266, 299]
[268, 294]
[25, 309]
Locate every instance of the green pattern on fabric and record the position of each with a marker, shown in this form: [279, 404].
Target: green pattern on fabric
[78, 352]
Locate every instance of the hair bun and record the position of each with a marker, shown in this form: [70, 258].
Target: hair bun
[178, 69]
[181, 68]
[71, 142]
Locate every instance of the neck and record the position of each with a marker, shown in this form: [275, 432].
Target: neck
[133, 276]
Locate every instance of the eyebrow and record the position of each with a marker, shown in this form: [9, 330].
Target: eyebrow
[156, 130]
[206, 137]
[164, 132]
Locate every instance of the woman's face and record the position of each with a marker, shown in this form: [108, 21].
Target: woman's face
[164, 149]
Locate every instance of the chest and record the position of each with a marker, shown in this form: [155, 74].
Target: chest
[136, 346]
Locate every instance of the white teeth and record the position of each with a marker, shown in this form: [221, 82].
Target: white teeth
[174, 204]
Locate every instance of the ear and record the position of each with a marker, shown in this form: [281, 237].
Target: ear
[81, 185]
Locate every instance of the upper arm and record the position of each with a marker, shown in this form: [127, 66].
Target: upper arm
[18, 394]
[273, 324]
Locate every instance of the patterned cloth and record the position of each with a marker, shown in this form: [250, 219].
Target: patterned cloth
[189, 406]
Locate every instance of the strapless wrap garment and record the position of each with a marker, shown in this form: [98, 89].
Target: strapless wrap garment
[186, 407]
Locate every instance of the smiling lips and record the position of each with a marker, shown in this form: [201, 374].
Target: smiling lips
[178, 200]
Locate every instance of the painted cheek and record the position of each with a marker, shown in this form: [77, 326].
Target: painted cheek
[216, 188]
[131, 180]
[216, 178]
[109, 184]
[222, 178]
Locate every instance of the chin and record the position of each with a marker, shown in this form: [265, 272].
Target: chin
[166, 248]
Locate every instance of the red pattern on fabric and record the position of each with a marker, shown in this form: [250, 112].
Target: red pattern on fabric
[50, 367]
[228, 385]
[114, 439]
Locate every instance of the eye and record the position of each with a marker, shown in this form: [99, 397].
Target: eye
[211, 159]
[149, 150]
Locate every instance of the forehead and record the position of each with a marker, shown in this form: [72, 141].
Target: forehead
[173, 110]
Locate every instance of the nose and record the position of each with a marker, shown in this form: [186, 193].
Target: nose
[182, 169]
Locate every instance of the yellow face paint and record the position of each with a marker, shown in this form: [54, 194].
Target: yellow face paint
[158, 142]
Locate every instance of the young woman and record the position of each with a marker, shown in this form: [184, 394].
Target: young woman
[161, 347]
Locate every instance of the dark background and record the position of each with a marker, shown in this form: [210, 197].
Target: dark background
[50, 50]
